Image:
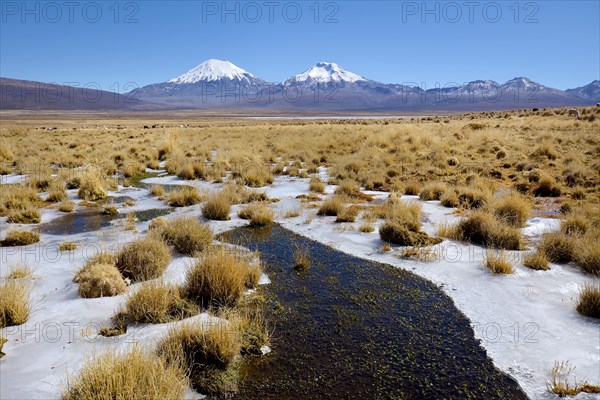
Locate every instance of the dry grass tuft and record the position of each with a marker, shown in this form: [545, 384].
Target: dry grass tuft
[28, 216]
[14, 303]
[99, 280]
[316, 185]
[557, 247]
[512, 209]
[91, 187]
[157, 190]
[207, 352]
[560, 384]
[497, 263]
[351, 190]
[259, 214]
[143, 259]
[20, 238]
[219, 278]
[20, 271]
[301, 258]
[217, 207]
[483, 228]
[66, 206]
[184, 197]
[587, 253]
[185, 234]
[67, 246]
[366, 228]
[157, 303]
[432, 191]
[589, 300]
[132, 375]
[348, 214]
[331, 207]
[537, 261]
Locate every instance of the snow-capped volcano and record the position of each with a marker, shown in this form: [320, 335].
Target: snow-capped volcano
[214, 71]
[323, 73]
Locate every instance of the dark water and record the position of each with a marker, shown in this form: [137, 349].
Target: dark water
[92, 219]
[355, 329]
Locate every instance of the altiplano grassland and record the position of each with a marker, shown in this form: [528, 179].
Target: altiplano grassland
[500, 209]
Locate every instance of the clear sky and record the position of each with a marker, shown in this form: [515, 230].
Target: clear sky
[556, 43]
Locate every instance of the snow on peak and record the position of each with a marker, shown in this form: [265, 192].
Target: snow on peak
[325, 72]
[213, 70]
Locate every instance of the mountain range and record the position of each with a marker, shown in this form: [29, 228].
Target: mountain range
[323, 87]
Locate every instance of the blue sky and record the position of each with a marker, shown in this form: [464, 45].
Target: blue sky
[556, 43]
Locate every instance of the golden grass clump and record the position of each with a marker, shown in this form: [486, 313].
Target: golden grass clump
[184, 197]
[99, 280]
[135, 375]
[557, 247]
[14, 303]
[110, 210]
[92, 187]
[220, 277]
[209, 353]
[217, 207]
[589, 300]
[536, 261]
[20, 271]
[548, 188]
[66, 206]
[301, 258]
[157, 190]
[186, 235]
[331, 207]
[412, 188]
[157, 303]
[483, 228]
[348, 214]
[497, 263]
[432, 191]
[574, 224]
[587, 252]
[255, 176]
[512, 209]
[366, 228]
[56, 194]
[259, 214]
[67, 246]
[560, 385]
[17, 197]
[28, 216]
[316, 185]
[449, 199]
[143, 259]
[402, 223]
[351, 189]
[20, 238]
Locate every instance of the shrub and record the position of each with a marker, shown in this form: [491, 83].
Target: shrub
[497, 263]
[29, 216]
[187, 235]
[557, 247]
[91, 187]
[537, 261]
[512, 209]
[100, 280]
[259, 214]
[66, 206]
[158, 302]
[589, 301]
[14, 303]
[331, 207]
[20, 238]
[217, 207]
[143, 259]
[316, 185]
[219, 278]
[184, 197]
[548, 188]
[131, 375]
[483, 228]
[432, 191]
[207, 353]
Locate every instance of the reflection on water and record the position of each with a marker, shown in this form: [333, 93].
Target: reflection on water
[355, 329]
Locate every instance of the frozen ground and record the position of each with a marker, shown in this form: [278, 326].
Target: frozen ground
[525, 321]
